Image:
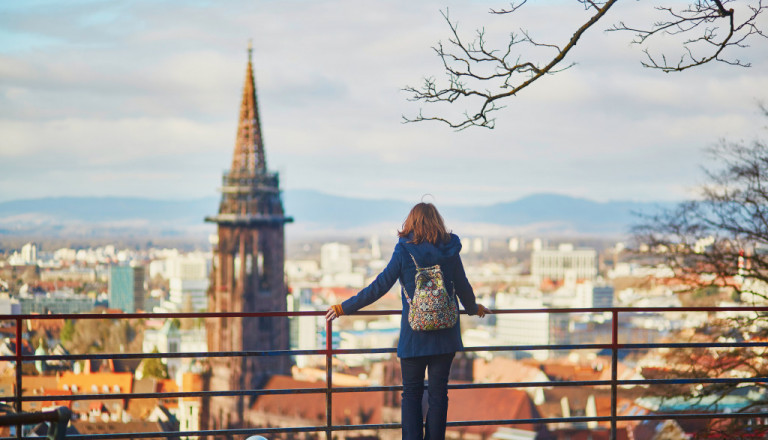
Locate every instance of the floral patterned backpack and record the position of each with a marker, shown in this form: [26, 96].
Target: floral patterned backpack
[432, 308]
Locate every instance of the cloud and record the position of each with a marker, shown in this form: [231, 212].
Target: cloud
[142, 97]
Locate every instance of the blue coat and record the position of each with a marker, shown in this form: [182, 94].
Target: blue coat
[400, 267]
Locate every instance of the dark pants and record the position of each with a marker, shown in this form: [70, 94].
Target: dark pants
[438, 366]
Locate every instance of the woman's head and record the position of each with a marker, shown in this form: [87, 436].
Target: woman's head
[426, 224]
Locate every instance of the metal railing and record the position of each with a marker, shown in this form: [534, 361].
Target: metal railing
[57, 420]
[329, 352]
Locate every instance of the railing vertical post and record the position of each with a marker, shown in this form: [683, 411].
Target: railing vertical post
[19, 323]
[328, 379]
[614, 368]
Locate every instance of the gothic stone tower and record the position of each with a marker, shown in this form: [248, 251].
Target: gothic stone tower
[247, 272]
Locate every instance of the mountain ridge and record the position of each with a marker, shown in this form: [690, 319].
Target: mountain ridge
[317, 211]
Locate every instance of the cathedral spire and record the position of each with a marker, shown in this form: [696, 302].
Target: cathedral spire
[250, 194]
[248, 275]
[249, 148]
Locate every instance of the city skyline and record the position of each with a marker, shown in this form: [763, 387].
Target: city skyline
[107, 98]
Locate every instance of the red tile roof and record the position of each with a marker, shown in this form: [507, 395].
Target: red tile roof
[489, 404]
[348, 408]
[505, 370]
[86, 382]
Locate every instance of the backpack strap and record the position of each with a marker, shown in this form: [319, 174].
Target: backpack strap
[402, 289]
[408, 300]
[414, 260]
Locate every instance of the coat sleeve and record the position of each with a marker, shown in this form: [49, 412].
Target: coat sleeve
[463, 289]
[381, 285]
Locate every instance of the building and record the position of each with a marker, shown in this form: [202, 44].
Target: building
[29, 253]
[91, 381]
[126, 288]
[589, 295]
[555, 264]
[71, 273]
[290, 411]
[335, 258]
[55, 302]
[189, 407]
[9, 305]
[27, 256]
[538, 328]
[302, 271]
[173, 338]
[188, 283]
[336, 267]
[375, 248]
[247, 274]
[306, 331]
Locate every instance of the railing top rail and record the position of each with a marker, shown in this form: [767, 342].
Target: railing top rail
[375, 312]
[329, 351]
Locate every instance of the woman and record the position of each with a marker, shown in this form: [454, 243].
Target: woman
[425, 241]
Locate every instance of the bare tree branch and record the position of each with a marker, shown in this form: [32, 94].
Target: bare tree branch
[480, 77]
[706, 44]
[516, 74]
[512, 8]
[720, 239]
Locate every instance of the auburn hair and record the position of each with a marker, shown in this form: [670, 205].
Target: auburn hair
[426, 224]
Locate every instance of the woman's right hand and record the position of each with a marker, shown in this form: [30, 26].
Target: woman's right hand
[482, 310]
[333, 312]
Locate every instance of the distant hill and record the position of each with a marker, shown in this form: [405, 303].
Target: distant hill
[549, 212]
[110, 209]
[313, 212]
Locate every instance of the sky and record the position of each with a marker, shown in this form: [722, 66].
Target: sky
[140, 98]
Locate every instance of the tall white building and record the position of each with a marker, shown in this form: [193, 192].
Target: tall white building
[305, 331]
[335, 258]
[375, 248]
[589, 295]
[530, 328]
[27, 256]
[555, 264]
[336, 267]
[188, 295]
[474, 245]
[188, 282]
[308, 334]
[478, 245]
[29, 253]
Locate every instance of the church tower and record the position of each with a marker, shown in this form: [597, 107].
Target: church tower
[247, 272]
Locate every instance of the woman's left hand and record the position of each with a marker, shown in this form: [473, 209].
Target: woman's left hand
[482, 310]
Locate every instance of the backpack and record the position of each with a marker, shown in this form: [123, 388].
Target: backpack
[432, 308]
